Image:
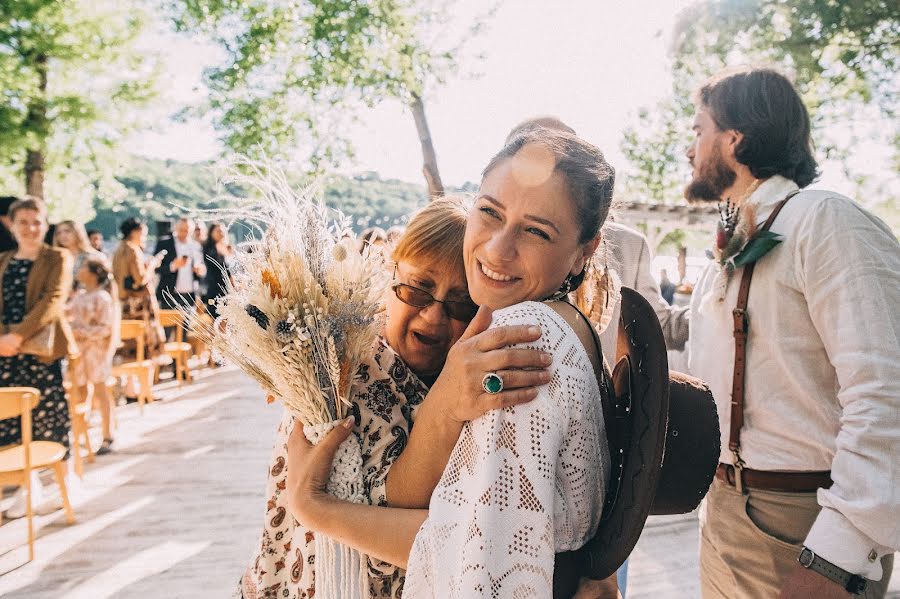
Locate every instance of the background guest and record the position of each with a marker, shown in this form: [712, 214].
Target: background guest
[72, 236]
[36, 280]
[7, 241]
[93, 317]
[181, 267]
[216, 252]
[96, 239]
[134, 279]
[666, 287]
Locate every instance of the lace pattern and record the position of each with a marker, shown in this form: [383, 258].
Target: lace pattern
[522, 483]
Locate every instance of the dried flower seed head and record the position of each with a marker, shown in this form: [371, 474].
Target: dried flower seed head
[339, 253]
[258, 315]
[284, 331]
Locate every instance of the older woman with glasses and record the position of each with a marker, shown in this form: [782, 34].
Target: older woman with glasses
[428, 310]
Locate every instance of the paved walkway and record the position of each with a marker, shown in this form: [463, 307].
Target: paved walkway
[175, 511]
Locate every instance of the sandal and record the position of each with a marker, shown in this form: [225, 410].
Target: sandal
[105, 447]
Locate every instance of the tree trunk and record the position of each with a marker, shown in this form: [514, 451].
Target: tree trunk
[429, 158]
[34, 173]
[37, 123]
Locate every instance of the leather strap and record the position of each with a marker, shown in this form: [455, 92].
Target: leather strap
[766, 480]
[741, 327]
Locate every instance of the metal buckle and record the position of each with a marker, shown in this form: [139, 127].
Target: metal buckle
[738, 471]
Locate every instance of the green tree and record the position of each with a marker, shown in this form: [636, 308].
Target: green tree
[297, 71]
[71, 76]
[843, 57]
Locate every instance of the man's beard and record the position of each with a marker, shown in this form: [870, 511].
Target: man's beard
[711, 180]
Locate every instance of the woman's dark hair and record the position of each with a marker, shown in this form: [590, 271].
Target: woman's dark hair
[129, 226]
[209, 243]
[100, 269]
[589, 178]
[762, 104]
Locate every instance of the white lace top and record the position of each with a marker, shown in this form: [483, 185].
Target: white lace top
[522, 483]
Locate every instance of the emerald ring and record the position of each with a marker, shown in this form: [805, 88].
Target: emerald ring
[492, 383]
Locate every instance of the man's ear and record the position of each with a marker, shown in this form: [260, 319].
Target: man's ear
[733, 140]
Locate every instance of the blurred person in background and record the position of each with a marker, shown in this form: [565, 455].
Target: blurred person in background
[133, 275]
[666, 287]
[7, 241]
[181, 268]
[93, 315]
[96, 239]
[216, 254]
[36, 280]
[72, 236]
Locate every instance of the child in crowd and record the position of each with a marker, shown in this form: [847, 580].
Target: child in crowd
[93, 314]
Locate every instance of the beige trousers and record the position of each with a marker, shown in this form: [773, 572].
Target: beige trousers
[750, 543]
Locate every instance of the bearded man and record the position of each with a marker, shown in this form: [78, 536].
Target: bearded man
[804, 363]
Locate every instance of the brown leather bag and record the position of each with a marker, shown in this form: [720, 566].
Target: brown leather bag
[41, 343]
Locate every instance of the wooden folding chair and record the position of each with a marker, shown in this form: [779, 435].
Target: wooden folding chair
[136, 330]
[17, 462]
[179, 349]
[79, 412]
[142, 369]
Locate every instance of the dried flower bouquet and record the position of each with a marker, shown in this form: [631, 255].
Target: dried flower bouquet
[300, 317]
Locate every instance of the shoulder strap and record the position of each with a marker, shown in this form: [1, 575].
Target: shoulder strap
[741, 327]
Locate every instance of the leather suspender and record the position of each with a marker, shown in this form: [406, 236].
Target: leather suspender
[741, 327]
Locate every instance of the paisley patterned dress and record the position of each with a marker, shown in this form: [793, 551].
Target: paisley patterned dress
[92, 316]
[385, 398]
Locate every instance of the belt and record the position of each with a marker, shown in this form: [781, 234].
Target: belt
[767, 480]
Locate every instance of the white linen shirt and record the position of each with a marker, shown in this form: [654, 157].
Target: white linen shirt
[822, 387]
[184, 283]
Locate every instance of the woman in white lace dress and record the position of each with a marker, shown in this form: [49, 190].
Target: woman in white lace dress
[521, 483]
[427, 310]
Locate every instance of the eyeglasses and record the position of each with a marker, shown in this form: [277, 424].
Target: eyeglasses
[419, 298]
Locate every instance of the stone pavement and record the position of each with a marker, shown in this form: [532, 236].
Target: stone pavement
[175, 512]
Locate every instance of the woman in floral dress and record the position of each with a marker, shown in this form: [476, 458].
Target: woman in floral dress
[427, 311]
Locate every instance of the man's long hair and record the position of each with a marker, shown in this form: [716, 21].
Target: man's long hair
[763, 105]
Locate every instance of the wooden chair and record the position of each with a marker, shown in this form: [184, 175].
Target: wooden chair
[179, 349]
[135, 329]
[79, 412]
[17, 462]
[142, 369]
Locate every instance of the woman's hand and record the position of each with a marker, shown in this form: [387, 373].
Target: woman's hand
[480, 351]
[10, 344]
[308, 471]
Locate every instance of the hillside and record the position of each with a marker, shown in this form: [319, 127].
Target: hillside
[158, 188]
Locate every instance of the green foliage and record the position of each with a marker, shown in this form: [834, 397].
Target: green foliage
[654, 148]
[159, 190]
[843, 56]
[95, 77]
[296, 71]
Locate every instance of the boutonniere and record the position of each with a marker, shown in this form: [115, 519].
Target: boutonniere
[738, 240]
